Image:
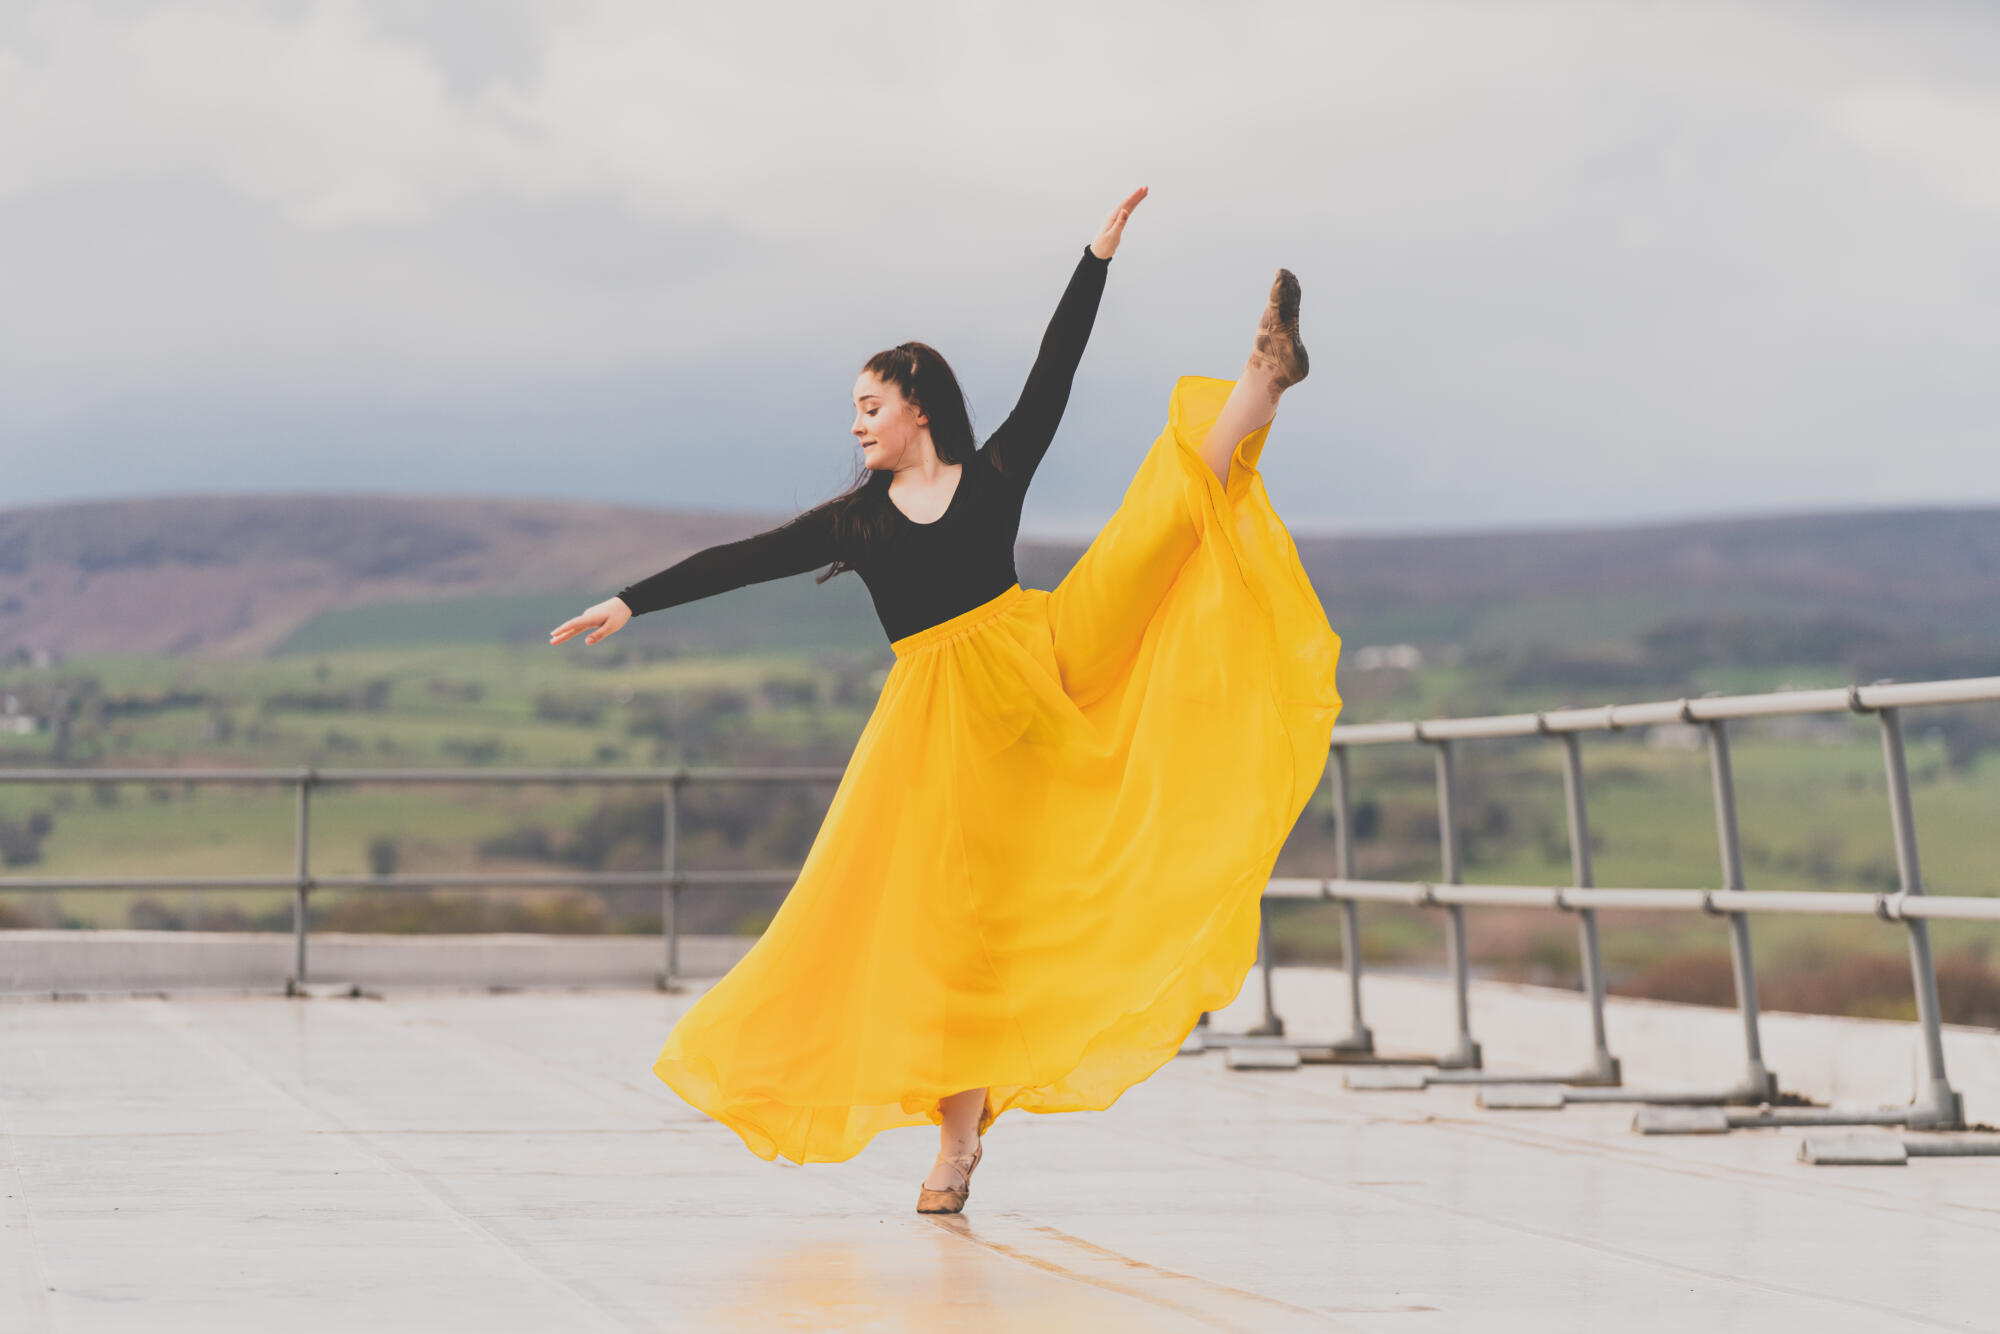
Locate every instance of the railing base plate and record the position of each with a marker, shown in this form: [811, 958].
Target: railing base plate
[1337, 1055]
[326, 990]
[1681, 1121]
[1521, 1097]
[1244, 1057]
[1853, 1151]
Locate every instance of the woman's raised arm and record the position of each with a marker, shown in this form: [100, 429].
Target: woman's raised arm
[1017, 447]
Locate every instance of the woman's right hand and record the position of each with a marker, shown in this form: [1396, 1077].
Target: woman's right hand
[1106, 243]
[606, 618]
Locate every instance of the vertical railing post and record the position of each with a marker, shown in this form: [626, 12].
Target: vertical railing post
[1271, 1025]
[670, 892]
[1936, 1106]
[302, 881]
[1358, 1038]
[1603, 1065]
[1465, 1055]
[1759, 1084]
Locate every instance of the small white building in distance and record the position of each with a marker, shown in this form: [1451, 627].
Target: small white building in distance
[13, 721]
[1375, 657]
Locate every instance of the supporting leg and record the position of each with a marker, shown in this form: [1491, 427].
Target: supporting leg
[957, 1136]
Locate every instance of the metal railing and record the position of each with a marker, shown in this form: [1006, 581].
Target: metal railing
[671, 877]
[1936, 1107]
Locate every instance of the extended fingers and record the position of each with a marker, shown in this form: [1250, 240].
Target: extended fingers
[1114, 226]
[568, 628]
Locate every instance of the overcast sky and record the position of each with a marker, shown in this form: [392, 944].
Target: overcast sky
[1562, 262]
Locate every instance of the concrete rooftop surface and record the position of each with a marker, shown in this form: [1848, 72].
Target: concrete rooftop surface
[467, 1161]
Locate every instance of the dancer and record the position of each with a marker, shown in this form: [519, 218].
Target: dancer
[1046, 857]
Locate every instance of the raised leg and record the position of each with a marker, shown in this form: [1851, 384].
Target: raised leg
[1277, 361]
[1100, 611]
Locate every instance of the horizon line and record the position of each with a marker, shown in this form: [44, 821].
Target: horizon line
[1062, 530]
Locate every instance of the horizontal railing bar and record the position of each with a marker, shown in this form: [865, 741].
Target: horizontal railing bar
[1374, 734]
[321, 777]
[1297, 887]
[1809, 901]
[510, 880]
[532, 880]
[1411, 893]
[1498, 896]
[153, 775]
[1956, 909]
[1472, 729]
[150, 882]
[1684, 900]
[1611, 717]
[1853, 903]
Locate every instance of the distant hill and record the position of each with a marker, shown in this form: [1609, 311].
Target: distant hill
[236, 575]
[245, 575]
[1932, 571]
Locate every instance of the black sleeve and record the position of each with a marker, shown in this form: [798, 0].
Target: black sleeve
[794, 547]
[1024, 437]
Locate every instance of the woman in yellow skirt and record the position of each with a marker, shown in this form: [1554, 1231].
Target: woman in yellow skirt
[1046, 857]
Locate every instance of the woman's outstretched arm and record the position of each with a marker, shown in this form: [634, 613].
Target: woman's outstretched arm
[793, 547]
[1017, 447]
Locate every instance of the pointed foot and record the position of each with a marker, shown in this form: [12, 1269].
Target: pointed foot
[1279, 349]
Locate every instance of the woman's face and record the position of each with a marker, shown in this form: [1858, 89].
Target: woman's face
[887, 424]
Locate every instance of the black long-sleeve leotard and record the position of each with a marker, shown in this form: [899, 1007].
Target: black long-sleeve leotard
[923, 573]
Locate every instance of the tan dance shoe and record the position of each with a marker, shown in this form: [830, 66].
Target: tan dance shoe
[951, 1201]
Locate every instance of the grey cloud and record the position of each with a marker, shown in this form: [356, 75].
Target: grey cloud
[1560, 261]
[475, 46]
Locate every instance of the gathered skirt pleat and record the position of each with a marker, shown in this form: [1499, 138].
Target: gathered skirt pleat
[1047, 854]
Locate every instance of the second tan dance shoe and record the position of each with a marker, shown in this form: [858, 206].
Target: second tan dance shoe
[950, 1201]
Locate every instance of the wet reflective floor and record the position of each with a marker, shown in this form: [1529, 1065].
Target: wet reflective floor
[449, 1162]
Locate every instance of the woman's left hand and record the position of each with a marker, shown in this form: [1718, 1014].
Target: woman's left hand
[1114, 226]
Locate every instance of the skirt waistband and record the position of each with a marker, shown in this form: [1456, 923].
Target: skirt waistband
[952, 625]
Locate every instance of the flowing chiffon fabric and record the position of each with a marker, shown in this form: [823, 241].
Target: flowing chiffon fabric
[1046, 856]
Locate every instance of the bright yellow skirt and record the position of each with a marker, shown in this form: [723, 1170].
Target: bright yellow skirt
[1047, 855]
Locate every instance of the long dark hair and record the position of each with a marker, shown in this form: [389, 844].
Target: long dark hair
[925, 378]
